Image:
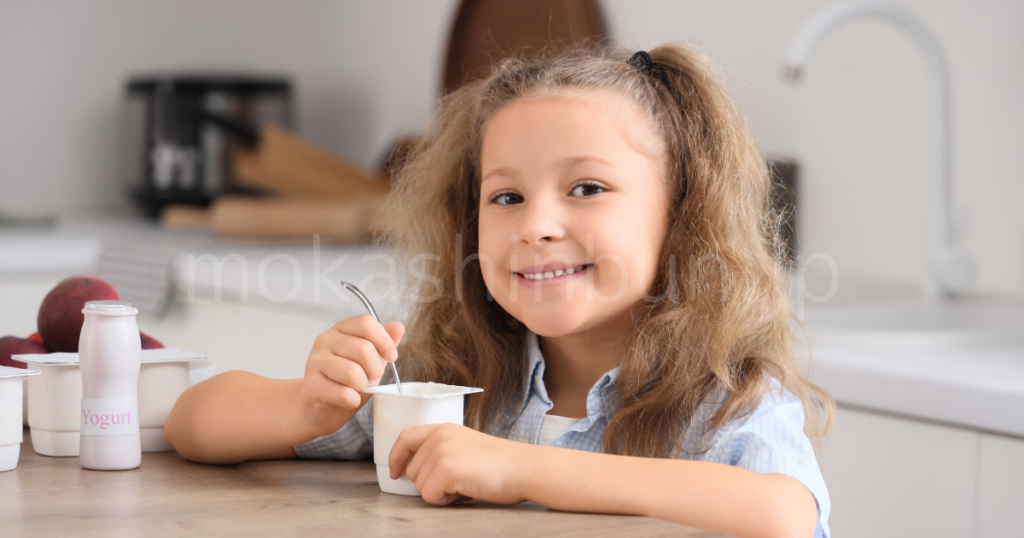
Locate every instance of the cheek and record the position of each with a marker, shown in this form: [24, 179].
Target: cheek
[629, 242]
[492, 252]
[656, 229]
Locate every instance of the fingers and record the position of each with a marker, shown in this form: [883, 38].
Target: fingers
[441, 498]
[396, 330]
[336, 394]
[406, 446]
[436, 474]
[347, 358]
[345, 369]
[360, 354]
[447, 462]
[361, 340]
[418, 453]
[367, 328]
[428, 483]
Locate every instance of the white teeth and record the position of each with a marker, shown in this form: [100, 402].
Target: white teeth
[552, 274]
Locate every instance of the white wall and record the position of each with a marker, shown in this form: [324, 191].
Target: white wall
[368, 70]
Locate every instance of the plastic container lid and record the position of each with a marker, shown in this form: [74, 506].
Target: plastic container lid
[10, 371]
[109, 306]
[414, 389]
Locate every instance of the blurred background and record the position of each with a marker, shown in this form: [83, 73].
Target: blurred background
[101, 101]
[363, 73]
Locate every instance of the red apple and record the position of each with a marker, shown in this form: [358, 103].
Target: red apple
[60, 316]
[12, 345]
[36, 338]
[148, 342]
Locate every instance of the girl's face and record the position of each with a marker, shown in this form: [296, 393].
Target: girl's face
[573, 209]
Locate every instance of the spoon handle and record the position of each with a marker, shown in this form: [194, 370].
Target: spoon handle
[366, 302]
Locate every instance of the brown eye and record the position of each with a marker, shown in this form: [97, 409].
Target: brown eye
[586, 190]
[506, 198]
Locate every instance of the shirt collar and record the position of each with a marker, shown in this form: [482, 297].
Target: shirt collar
[598, 399]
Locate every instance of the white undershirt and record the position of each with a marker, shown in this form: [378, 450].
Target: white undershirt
[553, 426]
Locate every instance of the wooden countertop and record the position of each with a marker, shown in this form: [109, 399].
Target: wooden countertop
[168, 496]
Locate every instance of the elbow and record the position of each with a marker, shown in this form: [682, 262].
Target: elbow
[180, 432]
[788, 521]
[790, 528]
[186, 445]
[176, 431]
[792, 511]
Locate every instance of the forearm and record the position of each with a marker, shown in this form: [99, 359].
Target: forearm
[238, 416]
[709, 496]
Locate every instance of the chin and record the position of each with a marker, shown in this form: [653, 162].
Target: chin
[551, 323]
[551, 331]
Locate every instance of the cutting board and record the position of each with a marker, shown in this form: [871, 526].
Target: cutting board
[486, 31]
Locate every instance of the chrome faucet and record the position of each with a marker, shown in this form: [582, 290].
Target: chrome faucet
[949, 267]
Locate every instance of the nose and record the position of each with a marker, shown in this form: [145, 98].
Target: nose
[542, 221]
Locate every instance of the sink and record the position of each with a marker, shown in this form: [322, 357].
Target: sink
[922, 325]
[957, 362]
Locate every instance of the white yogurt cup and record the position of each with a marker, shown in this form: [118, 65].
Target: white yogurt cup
[55, 399]
[422, 403]
[201, 370]
[24, 402]
[160, 385]
[11, 426]
[55, 408]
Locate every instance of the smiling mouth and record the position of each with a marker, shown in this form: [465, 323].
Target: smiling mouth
[548, 275]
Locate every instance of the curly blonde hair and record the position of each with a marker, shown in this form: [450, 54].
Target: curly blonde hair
[719, 323]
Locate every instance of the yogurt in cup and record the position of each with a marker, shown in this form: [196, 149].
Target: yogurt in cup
[11, 427]
[421, 403]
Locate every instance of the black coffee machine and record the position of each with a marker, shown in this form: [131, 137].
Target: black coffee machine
[174, 153]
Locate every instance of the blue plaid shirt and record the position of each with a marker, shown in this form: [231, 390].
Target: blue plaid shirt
[771, 439]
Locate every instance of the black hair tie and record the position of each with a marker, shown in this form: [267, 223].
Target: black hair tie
[642, 62]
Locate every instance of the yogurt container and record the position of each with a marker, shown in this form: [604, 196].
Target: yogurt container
[11, 428]
[55, 398]
[199, 370]
[109, 359]
[421, 403]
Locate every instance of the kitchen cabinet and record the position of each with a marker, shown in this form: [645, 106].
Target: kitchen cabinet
[895, 477]
[1000, 486]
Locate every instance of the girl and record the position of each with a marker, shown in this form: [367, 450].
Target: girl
[594, 249]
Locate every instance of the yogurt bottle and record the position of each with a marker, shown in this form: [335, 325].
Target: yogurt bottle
[110, 352]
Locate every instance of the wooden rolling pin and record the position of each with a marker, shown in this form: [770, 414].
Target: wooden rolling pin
[280, 218]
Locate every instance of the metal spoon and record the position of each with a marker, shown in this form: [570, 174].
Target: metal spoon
[366, 302]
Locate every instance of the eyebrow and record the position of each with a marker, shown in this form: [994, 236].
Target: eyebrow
[504, 171]
[568, 162]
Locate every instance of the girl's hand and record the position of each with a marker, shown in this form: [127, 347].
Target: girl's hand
[448, 463]
[345, 360]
